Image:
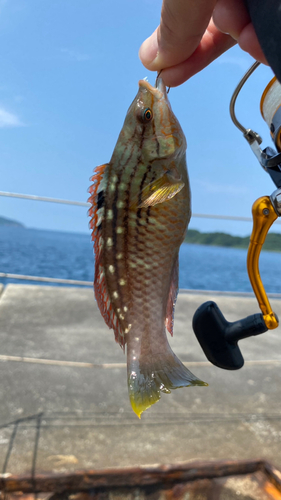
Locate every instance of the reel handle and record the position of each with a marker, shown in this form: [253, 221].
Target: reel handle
[218, 337]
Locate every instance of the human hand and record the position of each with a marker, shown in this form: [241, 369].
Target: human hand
[192, 33]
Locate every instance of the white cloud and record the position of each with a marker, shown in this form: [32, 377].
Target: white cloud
[74, 55]
[8, 119]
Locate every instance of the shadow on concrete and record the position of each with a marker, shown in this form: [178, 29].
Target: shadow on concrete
[15, 424]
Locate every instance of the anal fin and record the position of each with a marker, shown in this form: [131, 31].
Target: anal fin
[174, 287]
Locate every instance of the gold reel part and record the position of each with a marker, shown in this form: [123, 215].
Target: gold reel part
[263, 217]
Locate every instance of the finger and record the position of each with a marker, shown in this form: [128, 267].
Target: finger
[231, 16]
[213, 44]
[182, 25]
[248, 41]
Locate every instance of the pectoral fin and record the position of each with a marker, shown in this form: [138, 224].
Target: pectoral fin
[158, 191]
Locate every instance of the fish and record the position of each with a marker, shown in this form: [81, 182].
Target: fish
[140, 209]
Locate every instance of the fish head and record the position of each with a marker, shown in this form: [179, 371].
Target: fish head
[151, 124]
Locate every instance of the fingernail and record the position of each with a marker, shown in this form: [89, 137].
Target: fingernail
[148, 52]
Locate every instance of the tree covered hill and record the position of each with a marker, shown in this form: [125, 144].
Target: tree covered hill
[9, 222]
[272, 242]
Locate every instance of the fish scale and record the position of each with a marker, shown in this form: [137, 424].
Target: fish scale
[140, 211]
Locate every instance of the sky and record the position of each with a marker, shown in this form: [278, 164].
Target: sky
[69, 71]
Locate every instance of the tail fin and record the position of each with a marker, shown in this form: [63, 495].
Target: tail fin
[148, 378]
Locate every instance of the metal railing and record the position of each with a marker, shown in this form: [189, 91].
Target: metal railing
[61, 281]
[86, 204]
[44, 198]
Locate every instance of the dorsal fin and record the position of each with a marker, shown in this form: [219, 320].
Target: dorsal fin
[174, 287]
[96, 214]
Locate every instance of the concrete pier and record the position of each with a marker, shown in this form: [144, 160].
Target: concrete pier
[64, 402]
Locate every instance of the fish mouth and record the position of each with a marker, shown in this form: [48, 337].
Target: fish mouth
[159, 91]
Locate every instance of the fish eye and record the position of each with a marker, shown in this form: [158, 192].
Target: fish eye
[147, 115]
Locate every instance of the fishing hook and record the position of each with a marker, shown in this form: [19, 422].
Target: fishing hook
[158, 74]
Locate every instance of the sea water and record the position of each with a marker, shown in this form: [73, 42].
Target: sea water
[70, 256]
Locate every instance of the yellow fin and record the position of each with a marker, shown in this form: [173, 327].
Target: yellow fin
[160, 190]
[147, 381]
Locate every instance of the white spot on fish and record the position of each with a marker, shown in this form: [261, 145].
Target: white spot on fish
[115, 295]
[122, 282]
[99, 221]
[111, 269]
[109, 214]
[125, 308]
[119, 256]
[118, 310]
[109, 242]
[128, 329]
[119, 230]
[120, 204]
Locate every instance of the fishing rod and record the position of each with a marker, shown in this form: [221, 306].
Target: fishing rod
[217, 336]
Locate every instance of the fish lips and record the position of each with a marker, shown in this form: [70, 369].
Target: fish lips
[159, 91]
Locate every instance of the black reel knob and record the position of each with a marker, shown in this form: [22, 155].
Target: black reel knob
[218, 337]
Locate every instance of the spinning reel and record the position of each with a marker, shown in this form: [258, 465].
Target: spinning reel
[218, 337]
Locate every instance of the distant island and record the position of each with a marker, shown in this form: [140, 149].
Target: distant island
[9, 222]
[272, 242]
